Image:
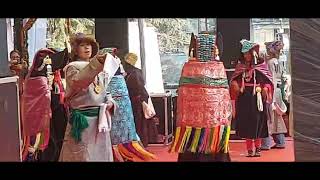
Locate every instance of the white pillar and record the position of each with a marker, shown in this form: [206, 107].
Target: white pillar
[4, 68]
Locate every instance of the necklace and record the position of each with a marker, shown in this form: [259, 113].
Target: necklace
[97, 87]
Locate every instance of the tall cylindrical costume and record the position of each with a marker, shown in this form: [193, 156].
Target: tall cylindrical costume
[251, 89]
[203, 105]
[124, 138]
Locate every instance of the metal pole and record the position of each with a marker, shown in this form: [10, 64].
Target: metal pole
[199, 26]
[4, 67]
[206, 22]
[142, 47]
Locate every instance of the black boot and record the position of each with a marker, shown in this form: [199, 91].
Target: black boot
[250, 153]
[258, 152]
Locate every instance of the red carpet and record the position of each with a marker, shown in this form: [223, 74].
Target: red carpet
[237, 152]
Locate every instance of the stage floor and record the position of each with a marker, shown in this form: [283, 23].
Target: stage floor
[237, 152]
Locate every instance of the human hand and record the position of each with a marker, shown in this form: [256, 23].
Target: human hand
[31, 149]
[273, 106]
[109, 105]
[101, 58]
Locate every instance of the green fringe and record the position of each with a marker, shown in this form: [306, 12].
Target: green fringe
[204, 81]
[79, 121]
[185, 139]
[195, 140]
[223, 139]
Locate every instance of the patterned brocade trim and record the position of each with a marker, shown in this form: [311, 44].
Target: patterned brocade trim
[207, 81]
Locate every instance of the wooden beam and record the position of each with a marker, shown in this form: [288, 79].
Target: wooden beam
[24, 39]
[18, 24]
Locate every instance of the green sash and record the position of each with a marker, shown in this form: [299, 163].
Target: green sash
[79, 121]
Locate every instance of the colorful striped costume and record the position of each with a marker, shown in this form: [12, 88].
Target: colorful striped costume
[203, 108]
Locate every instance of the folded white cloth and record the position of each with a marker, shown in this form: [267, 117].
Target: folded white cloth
[104, 118]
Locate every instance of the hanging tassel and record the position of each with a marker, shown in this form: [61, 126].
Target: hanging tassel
[116, 155]
[181, 136]
[125, 153]
[242, 82]
[226, 146]
[211, 139]
[185, 139]
[176, 139]
[254, 82]
[136, 155]
[205, 140]
[145, 153]
[255, 55]
[56, 88]
[41, 142]
[190, 140]
[223, 138]
[201, 139]
[79, 123]
[259, 99]
[195, 140]
[216, 139]
[26, 146]
[220, 139]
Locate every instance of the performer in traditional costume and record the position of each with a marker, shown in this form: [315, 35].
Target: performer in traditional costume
[138, 94]
[125, 140]
[251, 89]
[59, 118]
[43, 113]
[36, 105]
[277, 108]
[203, 105]
[87, 136]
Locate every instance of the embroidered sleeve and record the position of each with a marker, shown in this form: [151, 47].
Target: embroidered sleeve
[80, 79]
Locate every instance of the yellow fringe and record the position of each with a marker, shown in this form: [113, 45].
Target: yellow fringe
[125, 153]
[117, 154]
[188, 138]
[185, 138]
[145, 153]
[176, 139]
[195, 140]
[226, 149]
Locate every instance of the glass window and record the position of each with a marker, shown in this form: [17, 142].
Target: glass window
[173, 35]
[271, 29]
